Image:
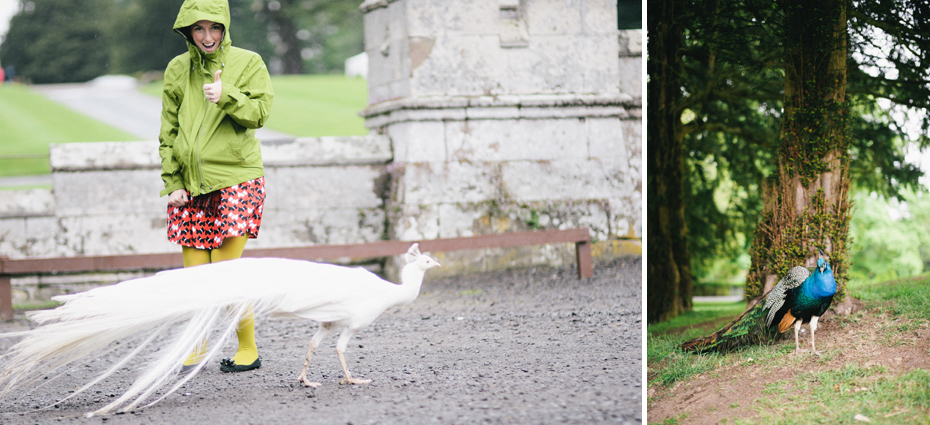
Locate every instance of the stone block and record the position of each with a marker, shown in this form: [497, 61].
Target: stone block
[108, 191]
[372, 149]
[376, 28]
[472, 18]
[27, 203]
[435, 183]
[291, 228]
[457, 65]
[615, 248]
[458, 220]
[547, 66]
[123, 234]
[630, 43]
[607, 139]
[599, 16]
[626, 215]
[52, 237]
[425, 18]
[377, 94]
[104, 156]
[13, 237]
[353, 186]
[554, 17]
[421, 141]
[631, 76]
[633, 135]
[506, 140]
[414, 222]
[457, 263]
[601, 72]
[564, 179]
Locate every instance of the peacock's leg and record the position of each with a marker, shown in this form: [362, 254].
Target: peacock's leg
[814, 329]
[341, 345]
[797, 328]
[314, 342]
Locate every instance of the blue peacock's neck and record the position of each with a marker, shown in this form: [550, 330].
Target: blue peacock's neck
[822, 284]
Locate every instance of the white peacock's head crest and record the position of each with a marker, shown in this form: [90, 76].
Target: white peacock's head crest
[413, 253]
[425, 262]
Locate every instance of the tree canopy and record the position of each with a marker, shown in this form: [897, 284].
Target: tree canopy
[55, 41]
[733, 57]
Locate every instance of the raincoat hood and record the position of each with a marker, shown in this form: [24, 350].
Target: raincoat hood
[198, 10]
[206, 146]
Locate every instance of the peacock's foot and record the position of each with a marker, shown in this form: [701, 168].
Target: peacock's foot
[351, 380]
[306, 382]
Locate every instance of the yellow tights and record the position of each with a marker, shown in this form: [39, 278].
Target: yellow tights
[230, 249]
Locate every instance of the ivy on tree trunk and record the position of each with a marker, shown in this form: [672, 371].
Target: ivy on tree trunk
[806, 206]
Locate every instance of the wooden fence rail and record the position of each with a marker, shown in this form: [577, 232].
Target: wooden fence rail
[32, 266]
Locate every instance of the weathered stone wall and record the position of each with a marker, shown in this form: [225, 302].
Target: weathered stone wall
[508, 115]
[105, 201]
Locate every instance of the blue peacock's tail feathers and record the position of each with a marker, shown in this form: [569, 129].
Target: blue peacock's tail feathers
[747, 329]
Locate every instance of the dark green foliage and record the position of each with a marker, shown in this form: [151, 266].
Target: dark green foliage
[58, 41]
[315, 35]
[629, 14]
[55, 41]
[144, 40]
[733, 82]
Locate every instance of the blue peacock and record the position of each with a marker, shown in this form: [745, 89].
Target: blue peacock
[800, 297]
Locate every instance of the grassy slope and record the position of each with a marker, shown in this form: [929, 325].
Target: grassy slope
[304, 105]
[312, 105]
[30, 122]
[318, 105]
[830, 396]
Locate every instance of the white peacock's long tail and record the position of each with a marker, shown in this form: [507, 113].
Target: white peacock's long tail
[198, 301]
[90, 322]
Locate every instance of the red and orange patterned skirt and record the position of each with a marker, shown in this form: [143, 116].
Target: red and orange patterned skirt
[210, 218]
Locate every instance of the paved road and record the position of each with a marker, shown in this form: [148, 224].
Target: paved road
[116, 101]
[530, 346]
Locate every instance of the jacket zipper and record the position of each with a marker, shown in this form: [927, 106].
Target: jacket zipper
[199, 159]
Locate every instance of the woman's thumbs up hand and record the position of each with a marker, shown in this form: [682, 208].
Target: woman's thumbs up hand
[215, 90]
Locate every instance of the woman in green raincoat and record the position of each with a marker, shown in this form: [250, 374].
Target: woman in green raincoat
[214, 98]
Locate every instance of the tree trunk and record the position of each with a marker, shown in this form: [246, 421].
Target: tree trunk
[806, 207]
[288, 47]
[669, 260]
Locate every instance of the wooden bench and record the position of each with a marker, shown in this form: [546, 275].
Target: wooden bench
[32, 266]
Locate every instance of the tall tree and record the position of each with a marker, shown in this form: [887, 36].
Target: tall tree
[732, 102]
[668, 264]
[148, 24]
[314, 34]
[58, 41]
[806, 206]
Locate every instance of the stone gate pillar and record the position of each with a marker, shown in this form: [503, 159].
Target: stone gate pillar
[506, 115]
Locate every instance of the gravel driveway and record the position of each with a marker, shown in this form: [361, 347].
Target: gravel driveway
[528, 346]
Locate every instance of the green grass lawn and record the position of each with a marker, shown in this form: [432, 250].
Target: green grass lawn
[832, 394]
[304, 105]
[312, 105]
[30, 122]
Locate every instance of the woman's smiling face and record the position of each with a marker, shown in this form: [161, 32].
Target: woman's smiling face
[207, 35]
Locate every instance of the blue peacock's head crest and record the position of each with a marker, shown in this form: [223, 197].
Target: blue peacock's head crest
[823, 265]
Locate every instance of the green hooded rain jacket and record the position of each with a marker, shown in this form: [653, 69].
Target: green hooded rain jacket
[206, 147]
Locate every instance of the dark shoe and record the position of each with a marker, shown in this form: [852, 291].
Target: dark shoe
[228, 365]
